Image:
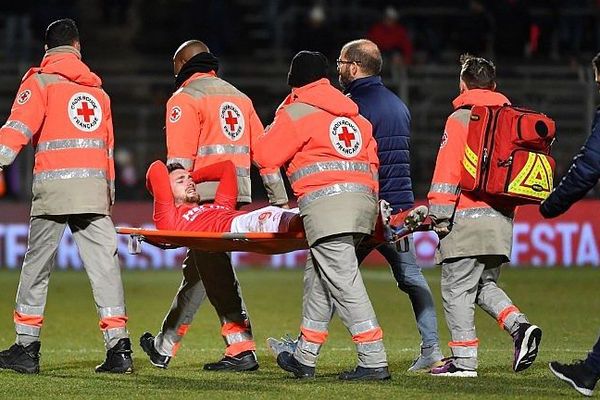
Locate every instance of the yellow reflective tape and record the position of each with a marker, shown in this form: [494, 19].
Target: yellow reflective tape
[534, 179]
[470, 155]
[469, 167]
[470, 161]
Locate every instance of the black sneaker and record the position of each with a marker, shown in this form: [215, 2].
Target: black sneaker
[527, 342]
[366, 374]
[118, 358]
[288, 362]
[245, 361]
[156, 359]
[577, 374]
[23, 359]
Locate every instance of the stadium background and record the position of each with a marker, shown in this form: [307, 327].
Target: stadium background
[542, 50]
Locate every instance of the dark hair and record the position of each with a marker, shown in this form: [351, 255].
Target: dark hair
[477, 72]
[62, 32]
[174, 167]
[366, 54]
[596, 62]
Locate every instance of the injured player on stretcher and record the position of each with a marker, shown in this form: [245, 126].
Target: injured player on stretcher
[178, 207]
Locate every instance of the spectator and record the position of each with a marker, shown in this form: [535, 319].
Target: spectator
[392, 38]
[315, 33]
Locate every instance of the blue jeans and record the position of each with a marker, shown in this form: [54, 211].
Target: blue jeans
[411, 281]
[593, 359]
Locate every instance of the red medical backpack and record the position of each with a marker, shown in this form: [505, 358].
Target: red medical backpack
[507, 158]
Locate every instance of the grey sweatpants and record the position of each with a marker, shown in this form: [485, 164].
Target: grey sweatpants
[332, 279]
[466, 281]
[96, 240]
[204, 275]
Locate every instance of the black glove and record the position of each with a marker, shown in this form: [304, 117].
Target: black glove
[441, 226]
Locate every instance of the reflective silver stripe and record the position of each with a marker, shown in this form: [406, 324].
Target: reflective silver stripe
[313, 348]
[444, 188]
[29, 310]
[62, 144]
[23, 329]
[462, 351]
[441, 210]
[186, 162]
[318, 326]
[238, 337]
[223, 149]
[114, 333]
[105, 312]
[269, 179]
[111, 185]
[364, 326]
[242, 172]
[370, 347]
[480, 212]
[329, 166]
[110, 153]
[68, 173]
[7, 155]
[333, 190]
[19, 126]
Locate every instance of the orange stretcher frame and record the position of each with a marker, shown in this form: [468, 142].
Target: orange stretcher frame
[263, 243]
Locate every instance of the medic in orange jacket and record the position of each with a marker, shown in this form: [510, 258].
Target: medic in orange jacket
[446, 201]
[208, 120]
[70, 127]
[325, 145]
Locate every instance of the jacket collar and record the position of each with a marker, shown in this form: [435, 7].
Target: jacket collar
[480, 97]
[360, 82]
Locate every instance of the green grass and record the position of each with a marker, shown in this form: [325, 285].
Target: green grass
[564, 302]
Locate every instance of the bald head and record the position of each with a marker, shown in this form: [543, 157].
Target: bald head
[186, 51]
[366, 54]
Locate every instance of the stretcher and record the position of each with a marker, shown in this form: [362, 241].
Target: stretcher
[264, 243]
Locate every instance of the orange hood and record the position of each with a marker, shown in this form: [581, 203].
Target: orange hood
[323, 95]
[480, 97]
[66, 61]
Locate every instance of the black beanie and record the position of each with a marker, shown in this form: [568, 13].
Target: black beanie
[307, 67]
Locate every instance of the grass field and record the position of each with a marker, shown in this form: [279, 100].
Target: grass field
[564, 302]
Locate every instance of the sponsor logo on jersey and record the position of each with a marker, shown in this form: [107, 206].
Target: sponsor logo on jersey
[84, 111]
[232, 121]
[345, 137]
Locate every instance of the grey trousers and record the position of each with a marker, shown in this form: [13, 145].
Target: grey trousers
[96, 240]
[204, 275]
[332, 279]
[466, 281]
[411, 281]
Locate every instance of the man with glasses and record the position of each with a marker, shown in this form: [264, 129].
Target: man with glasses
[359, 66]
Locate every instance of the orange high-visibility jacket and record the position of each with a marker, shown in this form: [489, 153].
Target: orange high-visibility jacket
[444, 195]
[326, 146]
[208, 120]
[61, 107]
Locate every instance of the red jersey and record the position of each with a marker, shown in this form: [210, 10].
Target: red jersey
[208, 217]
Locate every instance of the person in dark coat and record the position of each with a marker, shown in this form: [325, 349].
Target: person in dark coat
[359, 66]
[580, 178]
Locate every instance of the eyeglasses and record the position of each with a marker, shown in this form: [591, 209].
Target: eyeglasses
[340, 62]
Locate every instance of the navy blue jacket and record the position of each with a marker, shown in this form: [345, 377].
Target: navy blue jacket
[581, 177]
[391, 128]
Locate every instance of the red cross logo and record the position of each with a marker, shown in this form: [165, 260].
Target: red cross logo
[346, 136]
[24, 96]
[231, 120]
[85, 111]
[175, 113]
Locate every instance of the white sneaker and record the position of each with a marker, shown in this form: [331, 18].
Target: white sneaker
[425, 362]
[286, 343]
